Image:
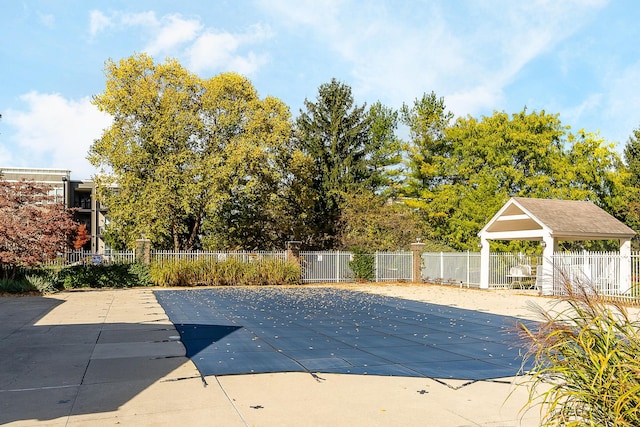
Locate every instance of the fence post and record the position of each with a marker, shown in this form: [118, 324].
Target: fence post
[468, 268]
[375, 265]
[143, 251]
[417, 249]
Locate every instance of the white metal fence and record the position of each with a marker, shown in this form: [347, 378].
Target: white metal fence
[393, 266]
[463, 269]
[245, 256]
[502, 275]
[609, 273]
[88, 257]
[454, 268]
[330, 266]
[334, 266]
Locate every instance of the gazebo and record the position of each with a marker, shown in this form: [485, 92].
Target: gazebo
[551, 221]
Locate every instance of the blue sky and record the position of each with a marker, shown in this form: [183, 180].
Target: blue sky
[580, 59]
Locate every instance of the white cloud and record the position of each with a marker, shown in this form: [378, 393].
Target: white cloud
[171, 32]
[321, 15]
[55, 132]
[212, 50]
[98, 22]
[467, 51]
[47, 20]
[143, 19]
[219, 51]
[203, 49]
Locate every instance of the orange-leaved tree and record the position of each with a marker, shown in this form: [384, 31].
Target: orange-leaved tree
[81, 237]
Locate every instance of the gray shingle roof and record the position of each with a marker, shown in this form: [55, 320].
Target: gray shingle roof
[574, 218]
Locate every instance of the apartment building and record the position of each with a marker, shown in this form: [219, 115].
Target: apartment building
[80, 195]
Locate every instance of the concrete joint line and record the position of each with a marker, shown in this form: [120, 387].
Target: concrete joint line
[231, 401]
[170, 380]
[86, 368]
[52, 387]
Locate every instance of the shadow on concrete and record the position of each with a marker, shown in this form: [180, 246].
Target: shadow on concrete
[54, 371]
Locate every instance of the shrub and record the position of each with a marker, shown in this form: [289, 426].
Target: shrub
[15, 286]
[585, 356]
[42, 283]
[29, 281]
[228, 272]
[101, 276]
[141, 274]
[362, 264]
[49, 280]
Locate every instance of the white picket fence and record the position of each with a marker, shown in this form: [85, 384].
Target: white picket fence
[601, 270]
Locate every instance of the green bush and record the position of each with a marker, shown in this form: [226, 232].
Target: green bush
[29, 281]
[362, 264]
[101, 276]
[230, 272]
[16, 286]
[42, 283]
[585, 356]
[48, 280]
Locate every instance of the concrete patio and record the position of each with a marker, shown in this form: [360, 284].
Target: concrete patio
[106, 357]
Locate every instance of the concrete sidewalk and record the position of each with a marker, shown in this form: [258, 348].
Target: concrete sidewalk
[105, 357]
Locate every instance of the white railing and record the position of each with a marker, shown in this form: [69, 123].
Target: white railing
[245, 256]
[334, 266]
[607, 273]
[463, 268]
[88, 257]
[330, 266]
[453, 268]
[501, 270]
[393, 266]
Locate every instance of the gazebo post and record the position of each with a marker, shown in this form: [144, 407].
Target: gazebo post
[549, 247]
[485, 256]
[625, 266]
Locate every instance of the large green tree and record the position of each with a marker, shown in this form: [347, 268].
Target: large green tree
[373, 222]
[427, 120]
[187, 157]
[353, 150]
[351, 147]
[632, 184]
[385, 151]
[473, 166]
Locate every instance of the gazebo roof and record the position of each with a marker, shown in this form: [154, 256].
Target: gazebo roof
[530, 219]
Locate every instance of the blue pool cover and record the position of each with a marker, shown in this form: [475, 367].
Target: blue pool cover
[324, 330]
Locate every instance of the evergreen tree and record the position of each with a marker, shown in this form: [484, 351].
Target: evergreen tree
[350, 148]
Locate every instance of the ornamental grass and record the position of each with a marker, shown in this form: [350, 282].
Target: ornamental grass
[230, 272]
[586, 358]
